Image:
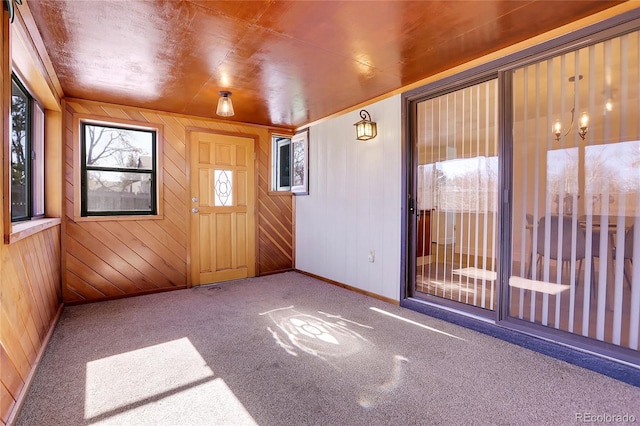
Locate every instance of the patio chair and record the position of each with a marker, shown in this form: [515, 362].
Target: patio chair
[565, 244]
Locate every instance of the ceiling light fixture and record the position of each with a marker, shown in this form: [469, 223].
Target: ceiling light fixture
[584, 117]
[365, 128]
[225, 107]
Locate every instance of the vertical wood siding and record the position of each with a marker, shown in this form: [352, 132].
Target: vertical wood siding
[106, 259]
[31, 295]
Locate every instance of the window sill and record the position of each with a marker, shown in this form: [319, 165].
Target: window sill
[117, 218]
[281, 193]
[21, 230]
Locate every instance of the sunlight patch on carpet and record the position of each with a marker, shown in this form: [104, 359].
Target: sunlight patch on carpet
[331, 336]
[136, 387]
[377, 394]
[435, 330]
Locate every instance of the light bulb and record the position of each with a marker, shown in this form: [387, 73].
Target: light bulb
[584, 125]
[609, 105]
[584, 120]
[557, 129]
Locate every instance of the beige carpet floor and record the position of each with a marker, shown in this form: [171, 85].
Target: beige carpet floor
[287, 349]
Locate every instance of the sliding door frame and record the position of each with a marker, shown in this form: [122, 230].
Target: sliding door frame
[503, 318]
[498, 323]
[412, 164]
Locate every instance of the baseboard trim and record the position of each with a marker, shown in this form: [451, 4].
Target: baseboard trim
[22, 396]
[278, 271]
[124, 296]
[348, 287]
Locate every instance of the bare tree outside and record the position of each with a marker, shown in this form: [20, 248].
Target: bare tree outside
[562, 179]
[19, 155]
[467, 184]
[298, 164]
[612, 174]
[113, 148]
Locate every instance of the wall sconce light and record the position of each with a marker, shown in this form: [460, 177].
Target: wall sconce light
[365, 128]
[225, 107]
[584, 118]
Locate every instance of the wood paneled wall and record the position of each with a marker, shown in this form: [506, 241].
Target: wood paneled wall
[30, 285]
[29, 305]
[103, 259]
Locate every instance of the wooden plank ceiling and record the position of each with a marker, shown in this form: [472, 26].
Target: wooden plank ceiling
[288, 63]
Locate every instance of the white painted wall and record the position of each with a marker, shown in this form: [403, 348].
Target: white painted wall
[354, 202]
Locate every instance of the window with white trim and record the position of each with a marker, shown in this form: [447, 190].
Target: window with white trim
[281, 164]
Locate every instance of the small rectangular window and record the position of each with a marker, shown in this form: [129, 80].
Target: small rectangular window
[20, 152]
[281, 163]
[289, 171]
[118, 171]
[27, 154]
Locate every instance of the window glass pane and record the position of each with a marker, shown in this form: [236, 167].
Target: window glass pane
[298, 164]
[426, 193]
[118, 191]
[467, 184]
[281, 163]
[119, 170]
[613, 169]
[562, 179]
[576, 192]
[118, 148]
[223, 188]
[19, 153]
[457, 187]
[284, 165]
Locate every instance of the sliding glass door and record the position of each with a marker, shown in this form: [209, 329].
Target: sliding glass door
[456, 175]
[576, 192]
[569, 223]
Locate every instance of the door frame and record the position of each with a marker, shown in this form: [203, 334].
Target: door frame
[189, 131]
[410, 101]
[576, 349]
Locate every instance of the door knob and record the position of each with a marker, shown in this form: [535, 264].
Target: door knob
[194, 210]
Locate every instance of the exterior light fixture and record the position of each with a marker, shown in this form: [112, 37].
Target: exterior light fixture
[584, 118]
[365, 128]
[225, 107]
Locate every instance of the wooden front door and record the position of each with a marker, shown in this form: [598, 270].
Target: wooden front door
[222, 202]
